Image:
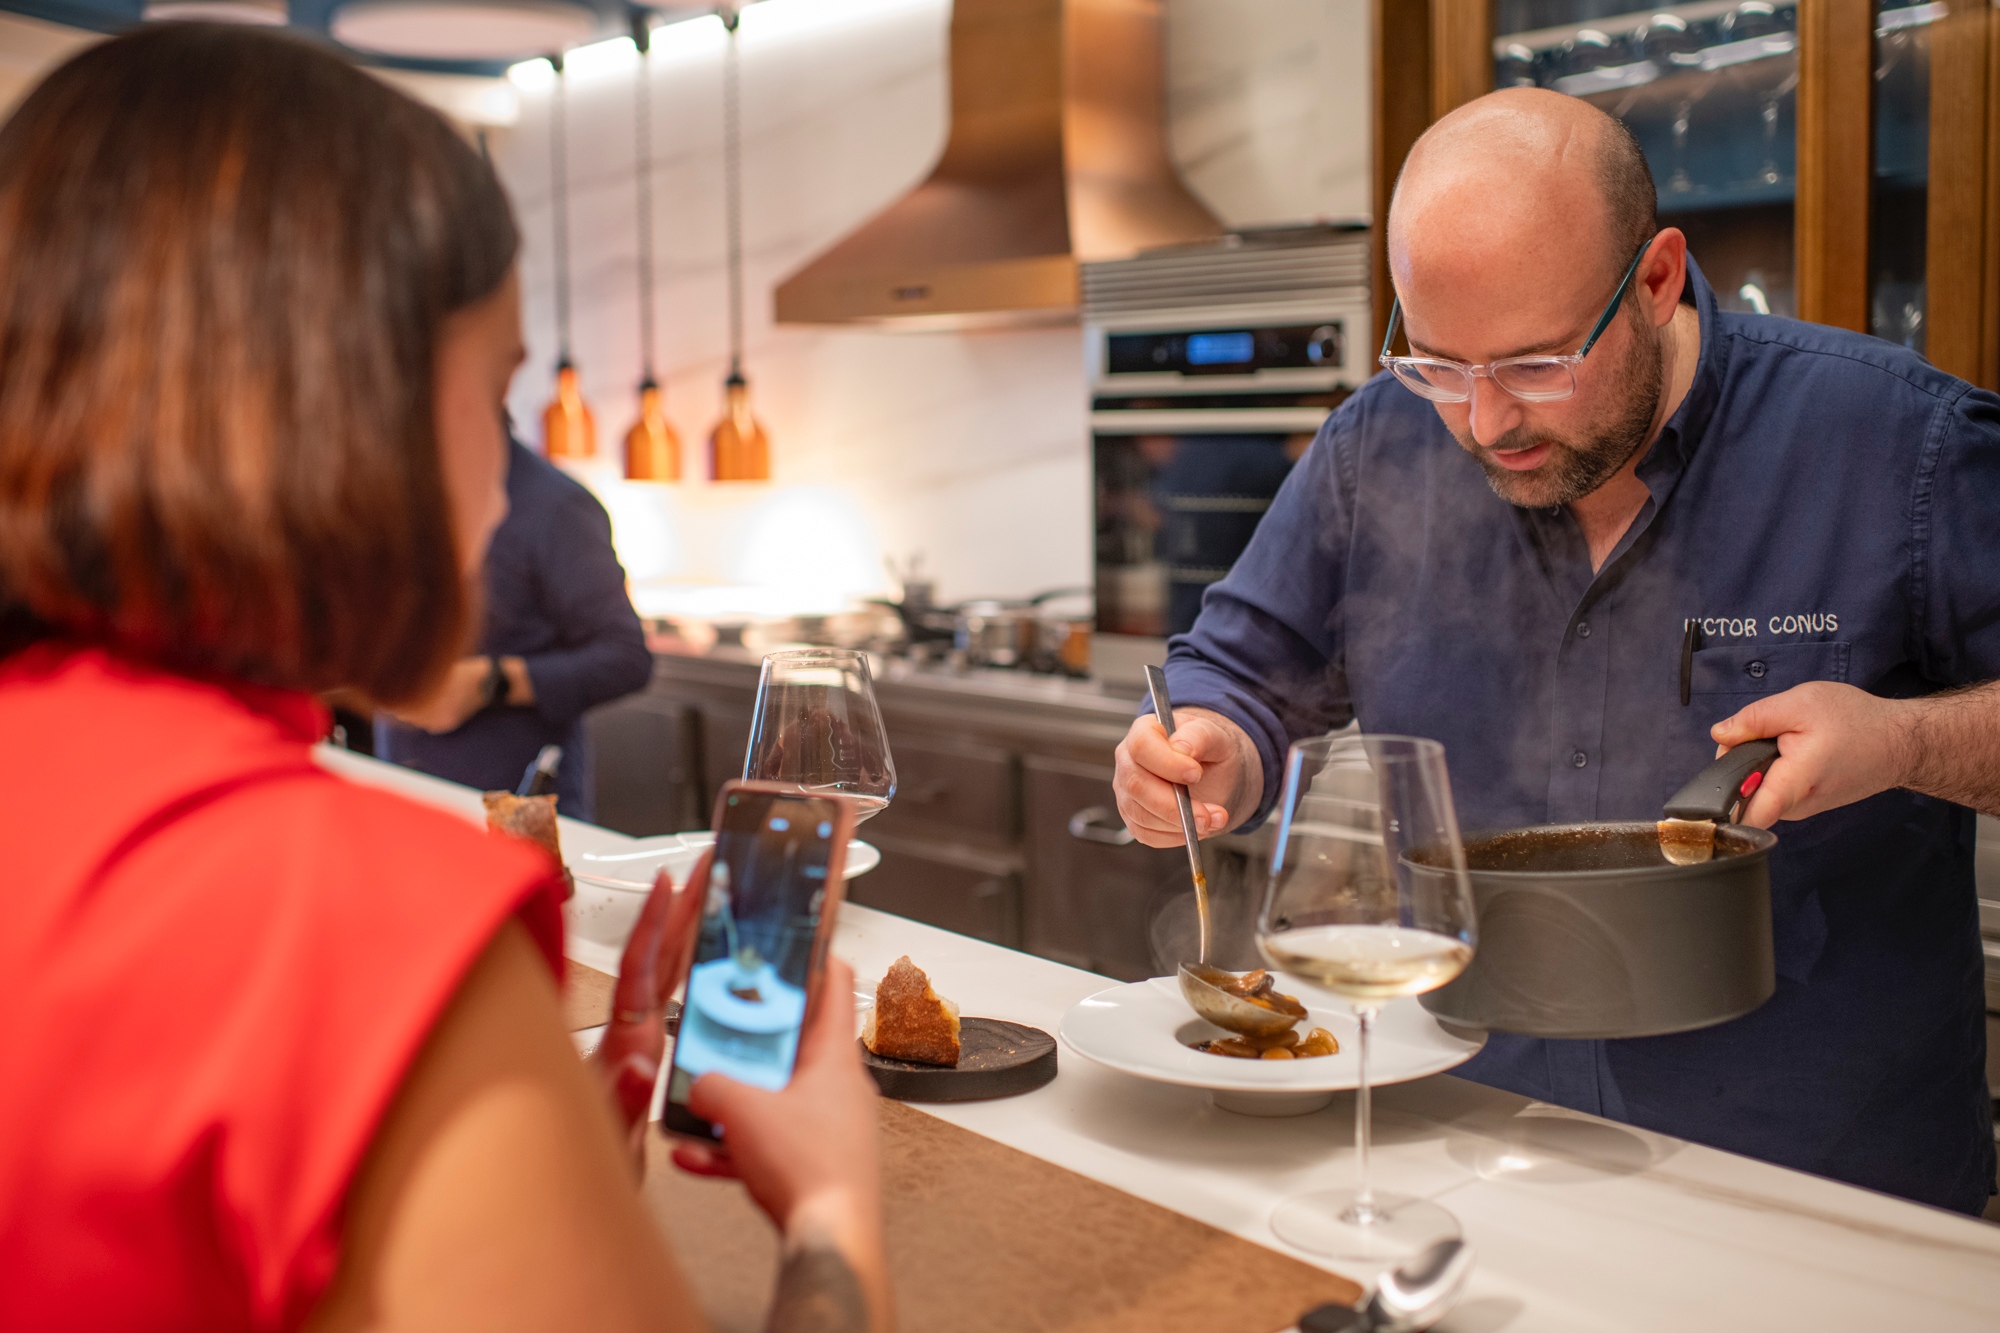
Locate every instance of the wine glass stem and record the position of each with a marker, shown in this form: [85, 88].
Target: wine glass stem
[1364, 1194]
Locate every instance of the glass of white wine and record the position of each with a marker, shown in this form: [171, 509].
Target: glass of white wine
[1368, 898]
[817, 727]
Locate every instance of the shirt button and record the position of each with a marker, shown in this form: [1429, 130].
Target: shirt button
[1756, 670]
[1583, 629]
[1579, 759]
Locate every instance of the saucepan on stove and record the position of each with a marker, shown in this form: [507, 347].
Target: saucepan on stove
[995, 633]
[1623, 929]
[1039, 631]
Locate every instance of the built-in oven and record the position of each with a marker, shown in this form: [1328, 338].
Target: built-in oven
[1211, 368]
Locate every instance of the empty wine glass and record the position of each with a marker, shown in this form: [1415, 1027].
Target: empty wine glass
[1369, 899]
[1672, 44]
[1763, 42]
[817, 727]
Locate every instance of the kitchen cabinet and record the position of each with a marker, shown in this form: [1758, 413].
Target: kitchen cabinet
[951, 790]
[725, 736]
[954, 888]
[646, 765]
[1838, 160]
[1093, 892]
[1098, 899]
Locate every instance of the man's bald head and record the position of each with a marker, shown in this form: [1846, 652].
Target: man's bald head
[1511, 225]
[1525, 167]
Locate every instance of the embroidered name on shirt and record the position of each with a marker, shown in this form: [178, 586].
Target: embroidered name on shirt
[1749, 627]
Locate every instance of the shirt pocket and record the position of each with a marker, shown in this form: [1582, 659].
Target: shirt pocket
[1752, 669]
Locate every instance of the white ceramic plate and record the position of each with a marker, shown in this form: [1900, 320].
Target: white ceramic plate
[635, 867]
[1143, 1029]
[611, 887]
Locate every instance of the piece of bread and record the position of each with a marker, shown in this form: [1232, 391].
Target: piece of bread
[910, 1021]
[530, 817]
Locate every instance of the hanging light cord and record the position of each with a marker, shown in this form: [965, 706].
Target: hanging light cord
[642, 36]
[559, 198]
[732, 191]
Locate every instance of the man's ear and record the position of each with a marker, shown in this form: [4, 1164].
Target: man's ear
[1663, 273]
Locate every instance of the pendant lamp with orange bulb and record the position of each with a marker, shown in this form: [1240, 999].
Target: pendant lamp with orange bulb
[568, 428]
[652, 446]
[738, 449]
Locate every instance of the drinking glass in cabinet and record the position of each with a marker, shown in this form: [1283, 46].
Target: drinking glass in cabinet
[1900, 192]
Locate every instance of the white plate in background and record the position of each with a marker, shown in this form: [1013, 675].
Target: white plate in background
[611, 888]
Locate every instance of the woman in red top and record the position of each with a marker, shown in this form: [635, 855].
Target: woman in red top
[279, 1050]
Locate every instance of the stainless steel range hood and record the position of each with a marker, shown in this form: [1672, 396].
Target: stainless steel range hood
[1057, 155]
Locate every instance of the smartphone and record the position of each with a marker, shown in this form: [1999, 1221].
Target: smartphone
[773, 888]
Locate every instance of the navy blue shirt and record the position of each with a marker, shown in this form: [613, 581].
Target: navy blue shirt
[555, 597]
[1828, 506]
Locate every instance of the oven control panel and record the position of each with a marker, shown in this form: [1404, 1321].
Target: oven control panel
[1237, 351]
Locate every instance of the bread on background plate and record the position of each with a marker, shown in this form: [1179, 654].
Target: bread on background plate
[530, 817]
[910, 1021]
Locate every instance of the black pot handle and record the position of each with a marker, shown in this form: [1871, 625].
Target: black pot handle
[1717, 792]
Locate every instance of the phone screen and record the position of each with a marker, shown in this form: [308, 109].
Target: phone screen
[753, 966]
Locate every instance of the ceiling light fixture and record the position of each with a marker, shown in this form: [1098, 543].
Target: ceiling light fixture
[652, 446]
[738, 448]
[568, 428]
[260, 13]
[461, 29]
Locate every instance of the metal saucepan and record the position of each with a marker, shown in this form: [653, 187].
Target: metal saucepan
[1028, 633]
[992, 633]
[1592, 930]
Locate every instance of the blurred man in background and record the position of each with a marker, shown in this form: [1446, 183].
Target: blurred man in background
[560, 638]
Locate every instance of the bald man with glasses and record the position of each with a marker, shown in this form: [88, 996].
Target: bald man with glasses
[1589, 528]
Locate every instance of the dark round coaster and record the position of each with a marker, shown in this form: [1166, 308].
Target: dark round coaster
[995, 1059]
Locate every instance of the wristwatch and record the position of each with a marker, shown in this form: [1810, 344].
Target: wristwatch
[494, 689]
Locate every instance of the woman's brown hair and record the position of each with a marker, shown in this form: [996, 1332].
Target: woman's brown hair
[229, 256]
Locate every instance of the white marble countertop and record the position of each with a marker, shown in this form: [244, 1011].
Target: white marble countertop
[1579, 1223]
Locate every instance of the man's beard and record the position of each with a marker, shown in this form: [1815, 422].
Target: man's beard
[1574, 469]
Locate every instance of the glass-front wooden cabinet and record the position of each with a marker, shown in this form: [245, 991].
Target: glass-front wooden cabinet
[1711, 93]
[1834, 160]
[1899, 200]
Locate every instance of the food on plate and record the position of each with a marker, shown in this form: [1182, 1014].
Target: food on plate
[910, 1021]
[1287, 1045]
[1257, 987]
[530, 817]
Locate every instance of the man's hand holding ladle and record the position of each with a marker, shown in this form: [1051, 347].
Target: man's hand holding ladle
[1209, 754]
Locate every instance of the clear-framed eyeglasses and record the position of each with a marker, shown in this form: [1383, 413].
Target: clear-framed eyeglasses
[1535, 379]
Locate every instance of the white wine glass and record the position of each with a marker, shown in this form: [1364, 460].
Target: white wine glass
[817, 727]
[1369, 899]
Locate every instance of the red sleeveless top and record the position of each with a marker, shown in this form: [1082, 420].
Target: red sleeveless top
[217, 961]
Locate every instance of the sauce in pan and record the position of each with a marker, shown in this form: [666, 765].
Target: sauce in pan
[1574, 848]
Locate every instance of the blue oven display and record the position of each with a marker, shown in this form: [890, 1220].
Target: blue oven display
[1221, 349]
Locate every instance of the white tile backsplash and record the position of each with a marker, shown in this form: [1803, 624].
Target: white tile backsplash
[1268, 106]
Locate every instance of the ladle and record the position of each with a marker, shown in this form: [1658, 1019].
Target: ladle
[1163, 708]
[1201, 988]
